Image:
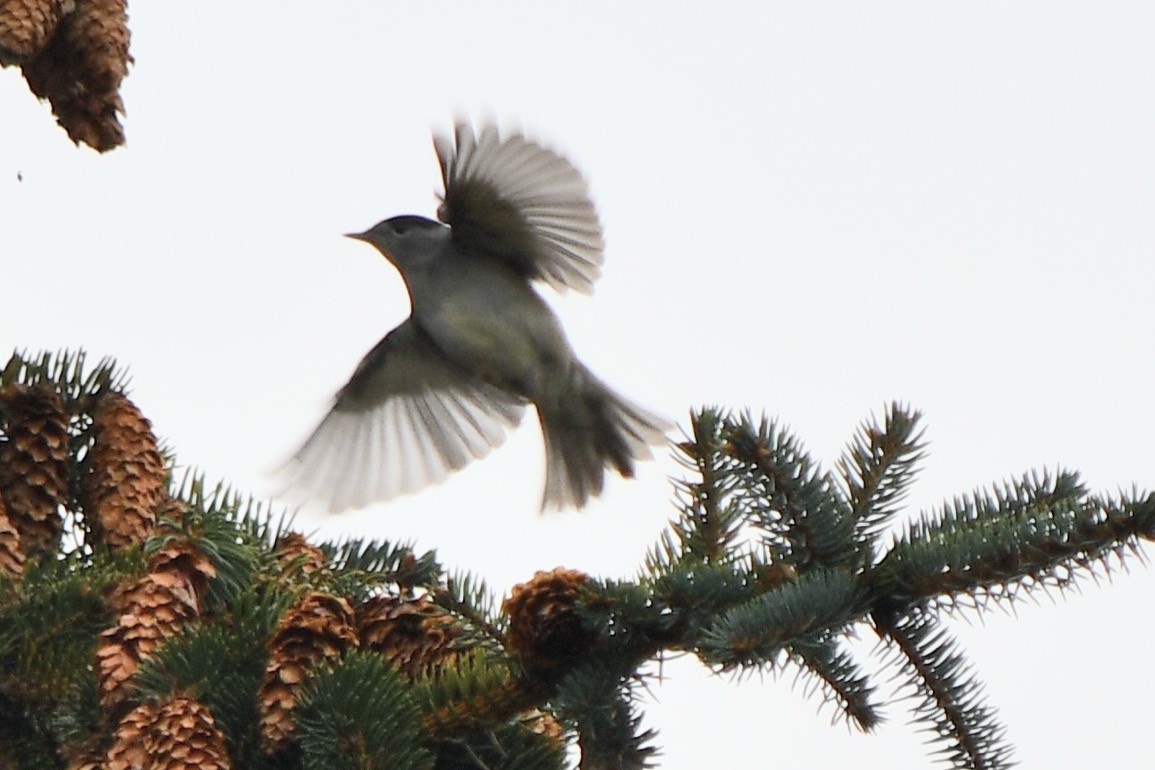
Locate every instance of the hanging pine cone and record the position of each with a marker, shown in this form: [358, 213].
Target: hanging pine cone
[187, 560]
[25, 26]
[80, 70]
[545, 630]
[125, 483]
[97, 31]
[11, 556]
[34, 463]
[416, 635]
[318, 628]
[178, 734]
[186, 738]
[148, 611]
[297, 556]
[128, 750]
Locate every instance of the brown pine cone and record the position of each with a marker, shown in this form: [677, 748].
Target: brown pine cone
[34, 463]
[296, 555]
[125, 483]
[187, 559]
[11, 556]
[97, 32]
[148, 611]
[25, 26]
[318, 628]
[179, 734]
[185, 737]
[416, 635]
[545, 630]
[128, 750]
[80, 69]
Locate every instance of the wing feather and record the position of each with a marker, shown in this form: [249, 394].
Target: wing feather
[406, 419]
[522, 203]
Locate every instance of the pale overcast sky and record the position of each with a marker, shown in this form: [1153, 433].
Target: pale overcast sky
[810, 209]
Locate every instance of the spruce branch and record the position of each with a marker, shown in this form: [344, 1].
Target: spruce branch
[708, 526]
[25, 740]
[359, 714]
[842, 682]
[209, 524]
[601, 702]
[1042, 531]
[949, 697]
[69, 375]
[470, 599]
[521, 745]
[688, 598]
[758, 631]
[879, 466]
[222, 666]
[782, 491]
[255, 521]
[478, 691]
[50, 621]
[365, 565]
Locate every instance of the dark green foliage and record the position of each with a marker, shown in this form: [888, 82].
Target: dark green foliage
[1041, 531]
[50, 620]
[507, 747]
[246, 519]
[77, 719]
[878, 468]
[362, 566]
[473, 602]
[838, 677]
[235, 654]
[601, 702]
[783, 492]
[949, 698]
[25, 740]
[710, 524]
[359, 715]
[68, 373]
[464, 697]
[756, 631]
[213, 522]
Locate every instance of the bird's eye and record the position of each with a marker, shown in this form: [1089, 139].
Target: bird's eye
[397, 227]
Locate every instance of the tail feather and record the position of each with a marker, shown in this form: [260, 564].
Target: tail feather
[588, 429]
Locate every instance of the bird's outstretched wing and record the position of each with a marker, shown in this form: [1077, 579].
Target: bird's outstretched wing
[406, 419]
[522, 203]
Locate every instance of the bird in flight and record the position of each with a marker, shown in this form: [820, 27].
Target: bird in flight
[480, 343]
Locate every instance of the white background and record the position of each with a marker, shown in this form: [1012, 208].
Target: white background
[810, 210]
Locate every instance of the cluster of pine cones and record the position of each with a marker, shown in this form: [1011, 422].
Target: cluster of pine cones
[97, 456]
[74, 53]
[121, 486]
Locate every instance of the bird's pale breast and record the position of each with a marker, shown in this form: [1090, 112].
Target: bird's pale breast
[497, 325]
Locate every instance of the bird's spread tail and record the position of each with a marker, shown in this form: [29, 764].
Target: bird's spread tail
[588, 429]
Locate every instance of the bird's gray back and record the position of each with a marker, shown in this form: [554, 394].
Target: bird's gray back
[487, 317]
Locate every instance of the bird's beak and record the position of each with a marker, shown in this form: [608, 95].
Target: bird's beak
[357, 236]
